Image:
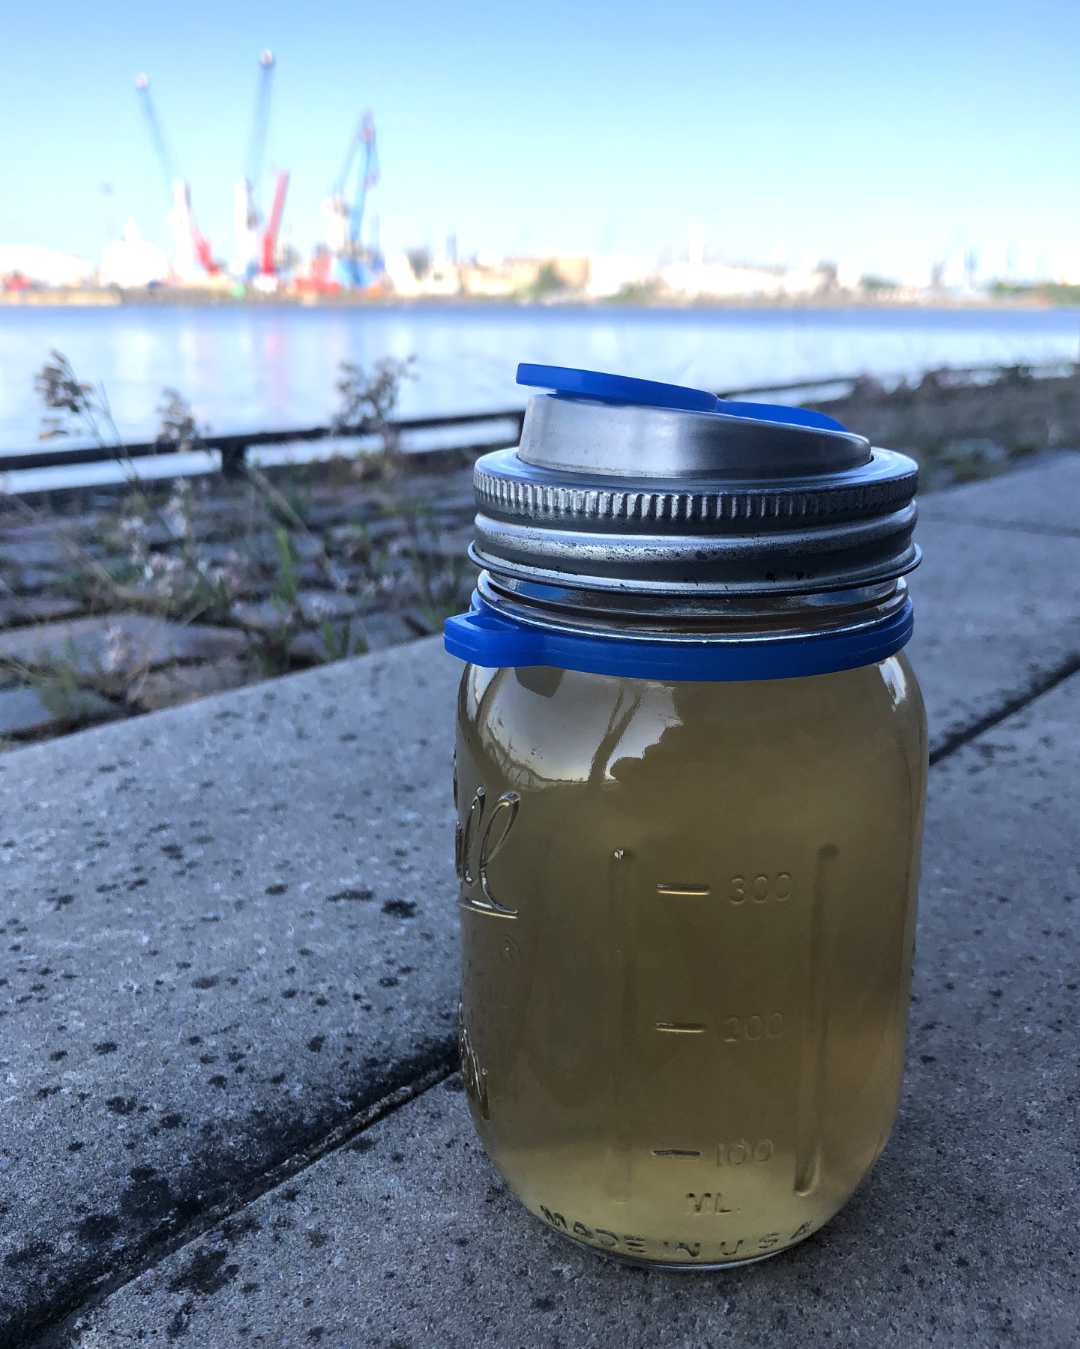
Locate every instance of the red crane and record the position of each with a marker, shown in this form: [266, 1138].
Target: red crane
[268, 256]
[268, 239]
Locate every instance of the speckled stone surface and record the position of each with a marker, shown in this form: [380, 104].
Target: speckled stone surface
[25, 709]
[964, 1235]
[223, 929]
[1042, 497]
[997, 611]
[226, 928]
[111, 642]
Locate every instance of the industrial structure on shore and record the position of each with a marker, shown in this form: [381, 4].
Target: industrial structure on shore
[257, 259]
[348, 261]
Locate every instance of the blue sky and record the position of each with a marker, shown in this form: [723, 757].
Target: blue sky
[886, 135]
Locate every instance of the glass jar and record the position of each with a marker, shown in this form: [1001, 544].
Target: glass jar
[690, 802]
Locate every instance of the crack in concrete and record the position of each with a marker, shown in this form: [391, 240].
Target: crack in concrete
[1009, 708]
[54, 1329]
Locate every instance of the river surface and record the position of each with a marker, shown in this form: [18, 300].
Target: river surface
[268, 366]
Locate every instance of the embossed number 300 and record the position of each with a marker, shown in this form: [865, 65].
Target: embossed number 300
[478, 842]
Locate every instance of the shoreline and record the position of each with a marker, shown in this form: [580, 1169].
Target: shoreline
[196, 298]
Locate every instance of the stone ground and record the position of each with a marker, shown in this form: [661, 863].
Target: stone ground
[227, 990]
[295, 567]
[116, 605]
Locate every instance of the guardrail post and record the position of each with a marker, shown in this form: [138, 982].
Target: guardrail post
[232, 460]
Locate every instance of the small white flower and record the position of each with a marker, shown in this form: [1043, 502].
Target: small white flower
[118, 652]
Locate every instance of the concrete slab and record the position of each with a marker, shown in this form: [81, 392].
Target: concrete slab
[29, 551]
[963, 1235]
[378, 630]
[185, 683]
[31, 580]
[1044, 497]
[224, 929]
[117, 643]
[227, 927]
[996, 611]
[37, 609]
[316, 606]
[23, 710]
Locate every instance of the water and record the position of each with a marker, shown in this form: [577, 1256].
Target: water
[262, 367]
[686, 946]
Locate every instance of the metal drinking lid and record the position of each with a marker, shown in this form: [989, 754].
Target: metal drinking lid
[628, 484]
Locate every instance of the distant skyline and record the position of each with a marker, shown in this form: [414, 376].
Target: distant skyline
[881, 139]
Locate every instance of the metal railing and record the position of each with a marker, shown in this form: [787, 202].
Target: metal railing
[233, 448]
[947, 376]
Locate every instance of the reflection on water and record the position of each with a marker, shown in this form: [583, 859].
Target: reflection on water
[269, 366]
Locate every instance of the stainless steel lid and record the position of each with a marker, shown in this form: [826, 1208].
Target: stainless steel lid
[626, 485]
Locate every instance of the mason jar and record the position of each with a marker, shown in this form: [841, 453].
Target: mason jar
[690, 772]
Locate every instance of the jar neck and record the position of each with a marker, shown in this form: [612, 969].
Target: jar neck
[691, 617]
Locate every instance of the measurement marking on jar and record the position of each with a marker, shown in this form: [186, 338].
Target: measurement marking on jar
[618, 1167]
[681, 1027]
[815, 1032]
[742, 1151]
[760, 888]
[901, 946]
[690, 891]
[707, 1203]
[675, 1152]
[767, 1026]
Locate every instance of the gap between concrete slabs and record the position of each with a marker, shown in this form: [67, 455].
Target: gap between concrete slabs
[963, 1235]
[149, 1072]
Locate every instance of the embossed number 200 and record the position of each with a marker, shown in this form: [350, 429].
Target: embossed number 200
[476, 844]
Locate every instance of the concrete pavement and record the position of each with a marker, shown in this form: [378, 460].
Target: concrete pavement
[227, 944]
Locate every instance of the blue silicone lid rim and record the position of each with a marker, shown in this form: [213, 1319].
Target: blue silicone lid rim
[567, 381]
[494, 641]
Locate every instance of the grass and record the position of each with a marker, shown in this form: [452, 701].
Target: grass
[254, 555]
[159, 553]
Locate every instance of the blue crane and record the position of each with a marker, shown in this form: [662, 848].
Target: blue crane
[355, 265]
[260, 123]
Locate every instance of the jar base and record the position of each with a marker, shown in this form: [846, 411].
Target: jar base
[674, 1266]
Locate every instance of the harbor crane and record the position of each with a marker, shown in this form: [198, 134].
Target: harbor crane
[257, 247]
[346, 222]
[193, 249]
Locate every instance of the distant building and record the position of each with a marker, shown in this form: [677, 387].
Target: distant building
[724, 280]
[1068, 269]
[132, 262]
[573, 270]
[401, 275]
[43, 266]
[500, 278]
[503, 278]
[496, 279]
[441, 280]
[613, 274]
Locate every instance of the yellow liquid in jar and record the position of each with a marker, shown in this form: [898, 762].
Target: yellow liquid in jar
[687, 921]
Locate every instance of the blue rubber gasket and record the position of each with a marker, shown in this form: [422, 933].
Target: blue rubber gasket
[489, 639]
